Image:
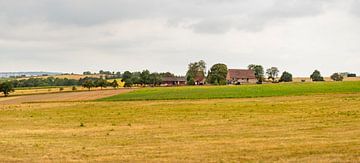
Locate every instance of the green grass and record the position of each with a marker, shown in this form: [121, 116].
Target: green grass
[315, 128]
[244, 91]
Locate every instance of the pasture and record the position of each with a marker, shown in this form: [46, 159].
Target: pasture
[314, 122]
[244, 91]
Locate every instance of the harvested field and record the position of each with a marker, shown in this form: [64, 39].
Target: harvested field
[63, 96]
[313, 128]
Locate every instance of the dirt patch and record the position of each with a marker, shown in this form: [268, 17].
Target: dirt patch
[66, 96]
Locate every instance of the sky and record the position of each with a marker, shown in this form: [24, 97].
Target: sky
[297, 36]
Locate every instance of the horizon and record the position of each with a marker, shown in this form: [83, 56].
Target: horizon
[165, 36]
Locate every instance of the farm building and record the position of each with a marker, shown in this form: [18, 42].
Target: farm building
[173, 81]
[240, 76]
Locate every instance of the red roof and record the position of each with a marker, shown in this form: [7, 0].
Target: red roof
[240, 74]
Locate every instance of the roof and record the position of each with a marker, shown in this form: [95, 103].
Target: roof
[171, 79]
[240, 74]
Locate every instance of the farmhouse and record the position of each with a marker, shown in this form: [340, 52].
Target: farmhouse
[240, 76]
[173, 81]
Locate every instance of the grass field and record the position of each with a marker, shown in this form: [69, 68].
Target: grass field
[304, 129]
[219, 124]
[244, 91]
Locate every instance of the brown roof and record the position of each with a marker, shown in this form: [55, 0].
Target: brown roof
[172, 79]
[240, 74]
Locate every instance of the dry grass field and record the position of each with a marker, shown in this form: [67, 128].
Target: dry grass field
[63, 96]
[312, 128]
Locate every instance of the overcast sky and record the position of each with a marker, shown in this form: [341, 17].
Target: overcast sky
[165, 35]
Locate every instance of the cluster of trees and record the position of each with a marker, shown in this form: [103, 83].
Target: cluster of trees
[41, 82]
[218, 72]
[144, 78]
[106, 74]
[89, 82]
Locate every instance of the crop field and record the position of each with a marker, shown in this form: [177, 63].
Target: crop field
[312, 122]
[245, 91]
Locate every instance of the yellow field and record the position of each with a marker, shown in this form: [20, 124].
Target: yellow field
[313, 128]
[50, 90]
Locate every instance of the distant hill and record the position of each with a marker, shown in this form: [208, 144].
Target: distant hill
[27, 74]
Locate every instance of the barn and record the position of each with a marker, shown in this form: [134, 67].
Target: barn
[240, 76]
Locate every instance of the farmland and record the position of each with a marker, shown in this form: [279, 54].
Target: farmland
[303, 122]
[246, 91]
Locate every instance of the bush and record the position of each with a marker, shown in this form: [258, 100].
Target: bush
[61, 89]
[74, 88]
[337, 77]
[316, 76]
[286, 77]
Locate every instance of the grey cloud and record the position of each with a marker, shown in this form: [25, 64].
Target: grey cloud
[94, 12]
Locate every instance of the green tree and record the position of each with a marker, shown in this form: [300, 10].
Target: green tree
[337, 77]
[272, 73]
[102, 83]
[258, 70]
[126, 75]
[115, 84]
[155, 79]
[145, 77]
[316, 76]
[195, 70]
[286, 77]
[87, 73]
[217, 74]
[88, 84]
[6, 88]
[128, 83]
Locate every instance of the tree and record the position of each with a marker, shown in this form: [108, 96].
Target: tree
[217, 74]
[88, 84]
[258, 70]
[102, 83]
[115, 84]
[6, 88]
[128, 83]
[126, 75]
[337, 77]
[155, 79]
[195, 70]
[145, 77]
[272, 73]
[87, 73]
[286, 77]
[316, 76]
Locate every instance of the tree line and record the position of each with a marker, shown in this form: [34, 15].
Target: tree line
[218, 72]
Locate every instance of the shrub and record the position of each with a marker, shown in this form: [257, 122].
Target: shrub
[337, 77]
[316, 76]
[286, 77]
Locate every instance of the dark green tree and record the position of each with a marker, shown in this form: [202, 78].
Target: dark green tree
[217, 74]
[286, 77]
[128, 83]
[155, 79]
[316, 76]
[102, 83]
[115, 84]
[6, 88]
[126, 75]
[272, 73]
[337, 77]
[195, 70]
[145, 77]
[258, 70]
[88, 84]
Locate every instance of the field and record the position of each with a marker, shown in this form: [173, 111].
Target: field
[314, 122]
[246, 91]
